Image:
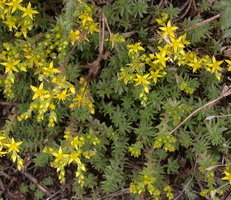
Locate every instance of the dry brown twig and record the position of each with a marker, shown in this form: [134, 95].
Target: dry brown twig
[95, 65]
[193, 26]
[188, 5]
[223, 95]
[5, 103]
[35, 181]
[202, 23]
[115, 194]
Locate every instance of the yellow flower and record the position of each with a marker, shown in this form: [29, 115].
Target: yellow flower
[74, 157]
[85, 18]
[169, 29]
[115, 38]
[13, 146]
[74, 36]
[227, 176]
[15, 4]
[62, 96]
[229, 67]
[161, 58]
[28, 11]
[134, 48]
[40, 92]
[196, 63]
[11, 22]
[163, 19]
[50, 70]
[176, 44]
[155, 75]
[60, 155]
[10, 65]
[142, 79]
[215, 65]
[93, 27]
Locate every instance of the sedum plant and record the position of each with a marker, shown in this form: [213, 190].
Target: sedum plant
[113, 110]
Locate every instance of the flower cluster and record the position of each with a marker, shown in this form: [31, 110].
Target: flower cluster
[135, 149]
[58, 90]
[167, 141]
[42, 56]
[115, 38]
[227, 176]
[85, 25]
[15, 16]
[8, 146]
[146, 69]
[83, 97]
[75, 148]
[147, 181]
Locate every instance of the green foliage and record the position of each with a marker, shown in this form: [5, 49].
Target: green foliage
[47, 181]
[172, 166]
[199, 33]
[224, 8]
[37, 194]
[42, 159]
[103, 105]
[123, 14]
[114, 177]
[204, 5]
[23, 188]
[172, 12]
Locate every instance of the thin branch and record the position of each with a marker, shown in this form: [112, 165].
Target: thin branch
[35, 181]
[115, 194]
[95, 65]
[184, 189]
[227, 93]
[105, 20]
[5, 103]
[202, 23]
[189, 2]
[193, 26]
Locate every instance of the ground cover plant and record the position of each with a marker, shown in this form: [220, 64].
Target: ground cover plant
[125, 99]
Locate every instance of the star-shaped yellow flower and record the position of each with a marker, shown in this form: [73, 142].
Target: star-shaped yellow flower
[60, 155]
[142, 79]
[215, 65]
[176, 44]
[74, 36]
[40, 92]
[161, 58]
[196, 64]
[155, 75]
[227, 176]
[134, 48]
[62, 96]
[13, 146]
[10, 65]
[169, 29]
[229, 65]
[15, 4]
[28, 11]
